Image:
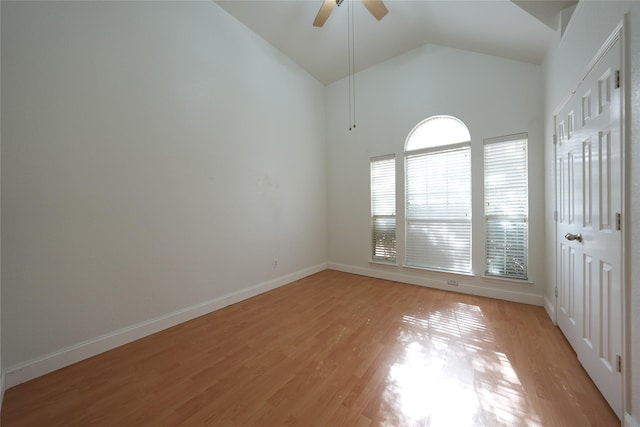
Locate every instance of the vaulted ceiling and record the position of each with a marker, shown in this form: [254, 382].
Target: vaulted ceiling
[519, 30]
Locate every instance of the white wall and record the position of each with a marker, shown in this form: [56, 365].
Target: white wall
[566, 61]
[492, 96]
[156, 156]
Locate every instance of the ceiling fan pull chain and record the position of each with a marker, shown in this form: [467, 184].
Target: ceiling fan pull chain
[349, 56]
[353, 61]
[352, 64]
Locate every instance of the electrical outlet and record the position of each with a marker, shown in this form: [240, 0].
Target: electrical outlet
[452, 282]
[275, 263]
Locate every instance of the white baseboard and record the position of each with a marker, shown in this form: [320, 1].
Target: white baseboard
[43, 365]
[507, 295]
[550, 308]
[629, 421]
[1, 388]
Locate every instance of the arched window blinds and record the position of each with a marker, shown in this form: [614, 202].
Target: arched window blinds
[438, 195]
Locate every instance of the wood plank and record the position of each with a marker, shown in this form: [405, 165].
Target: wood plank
[328, 350]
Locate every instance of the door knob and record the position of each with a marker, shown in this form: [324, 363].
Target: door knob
[570, 236]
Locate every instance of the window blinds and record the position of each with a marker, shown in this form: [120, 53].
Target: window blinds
[383, 209]
[506, 206]
[438, 209]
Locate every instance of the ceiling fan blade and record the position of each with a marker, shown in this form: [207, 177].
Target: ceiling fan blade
[376, 8]
[324, 12]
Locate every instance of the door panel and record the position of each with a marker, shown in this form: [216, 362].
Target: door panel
[589, 189]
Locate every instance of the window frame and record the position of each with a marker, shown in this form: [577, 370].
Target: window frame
[513, 223]
[445, 224]
[377, 233]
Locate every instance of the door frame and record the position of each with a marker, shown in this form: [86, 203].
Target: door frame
[619, 33]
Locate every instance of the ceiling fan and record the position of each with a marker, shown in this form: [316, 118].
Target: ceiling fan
[375, 7]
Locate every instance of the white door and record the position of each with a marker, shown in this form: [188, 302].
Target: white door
[589, 253]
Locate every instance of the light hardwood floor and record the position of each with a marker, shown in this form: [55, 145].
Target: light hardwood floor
[333, 349]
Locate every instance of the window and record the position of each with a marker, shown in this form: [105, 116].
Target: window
[438, 195]
[383, 209]
[506, 203]
[437, 221]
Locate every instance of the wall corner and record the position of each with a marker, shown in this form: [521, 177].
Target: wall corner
[630, 421]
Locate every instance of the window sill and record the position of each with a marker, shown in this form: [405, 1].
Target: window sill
[435, 270]
[379, 262]
[518, 282]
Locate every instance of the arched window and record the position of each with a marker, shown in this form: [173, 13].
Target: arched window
[438, 195]
[437, 131]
